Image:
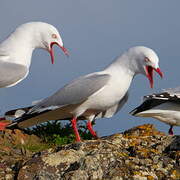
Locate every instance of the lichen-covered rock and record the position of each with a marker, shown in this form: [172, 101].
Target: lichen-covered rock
[16, 147]
[141, 153]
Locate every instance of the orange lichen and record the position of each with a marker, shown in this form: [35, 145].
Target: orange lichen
[150, 177]
[142, 130]
[175, 174]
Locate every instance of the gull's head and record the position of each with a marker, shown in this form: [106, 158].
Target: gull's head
[42, 35]
[50, 36]
[146, 61]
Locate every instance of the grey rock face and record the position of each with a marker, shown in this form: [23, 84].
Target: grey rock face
[141, 153]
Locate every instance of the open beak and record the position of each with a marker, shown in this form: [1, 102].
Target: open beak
[52, 52]
[149, 74]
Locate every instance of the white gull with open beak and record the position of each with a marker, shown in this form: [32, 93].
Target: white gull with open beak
[96, 95]
[16, 51]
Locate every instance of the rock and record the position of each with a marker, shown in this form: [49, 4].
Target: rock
[141, 153]
[175, 145]
[16, 147]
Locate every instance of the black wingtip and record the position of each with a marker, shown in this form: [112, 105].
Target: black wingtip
[133, 112]
[16, 113]
[13, 125]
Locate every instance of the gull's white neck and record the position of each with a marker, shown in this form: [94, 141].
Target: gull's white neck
[122, 70]
[18, 47]
[123, 65]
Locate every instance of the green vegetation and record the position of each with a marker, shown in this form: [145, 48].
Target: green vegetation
[57, 133]
[36, 147]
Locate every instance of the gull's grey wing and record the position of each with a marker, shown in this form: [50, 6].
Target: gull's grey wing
[11, 73]
[75, 92]
[114, 109]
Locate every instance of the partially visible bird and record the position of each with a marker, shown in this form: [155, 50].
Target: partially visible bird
[16, 50]
[96, 95]
[164, 106]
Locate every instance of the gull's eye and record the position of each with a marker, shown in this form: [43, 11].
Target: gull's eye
[146, 59]
[54, 36]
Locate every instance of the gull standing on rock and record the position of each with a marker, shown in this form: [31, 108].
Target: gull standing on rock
[164, 106]
[16, 50]
[96, 95]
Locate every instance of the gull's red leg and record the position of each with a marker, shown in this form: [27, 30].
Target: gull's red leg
[89, 126]
[171, 130]
[3, 125]
[74, 125]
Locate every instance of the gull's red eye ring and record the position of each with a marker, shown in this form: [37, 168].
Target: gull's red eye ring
[54, 36]
[146, 59]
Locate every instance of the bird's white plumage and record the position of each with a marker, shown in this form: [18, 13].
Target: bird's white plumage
[16, 50]
[167, 112]
[106, 97]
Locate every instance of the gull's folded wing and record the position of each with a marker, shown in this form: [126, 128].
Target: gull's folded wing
[73, 93]
[11, 73]
[60, 104]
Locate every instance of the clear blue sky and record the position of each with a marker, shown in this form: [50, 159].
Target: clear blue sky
[95, 32]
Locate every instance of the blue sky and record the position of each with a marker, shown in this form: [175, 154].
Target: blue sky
[95, 32]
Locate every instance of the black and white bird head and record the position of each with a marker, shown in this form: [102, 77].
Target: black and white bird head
[145, 61]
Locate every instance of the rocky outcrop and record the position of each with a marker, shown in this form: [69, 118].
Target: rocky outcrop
[16, 148]
[141, 153]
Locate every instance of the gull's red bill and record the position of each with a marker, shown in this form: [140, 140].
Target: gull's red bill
[149, 74]
[52, 52]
